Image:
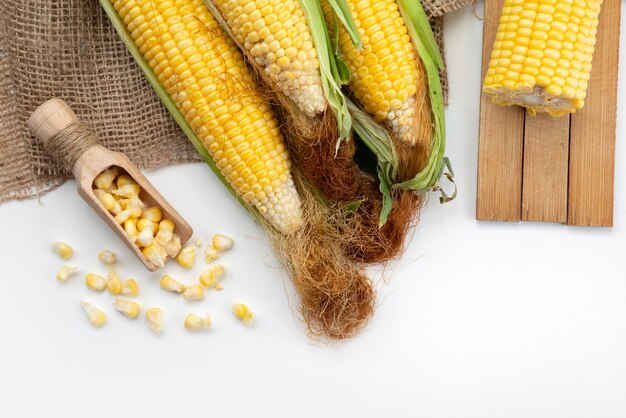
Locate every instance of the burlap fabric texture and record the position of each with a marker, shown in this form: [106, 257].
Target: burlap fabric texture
[68, 49]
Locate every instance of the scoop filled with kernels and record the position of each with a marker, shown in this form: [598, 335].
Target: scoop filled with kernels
[112, 185]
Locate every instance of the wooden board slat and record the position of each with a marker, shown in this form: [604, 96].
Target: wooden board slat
[546, 155]
[499, 188]
[592, 135]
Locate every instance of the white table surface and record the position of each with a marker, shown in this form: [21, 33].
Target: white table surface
[477, 319]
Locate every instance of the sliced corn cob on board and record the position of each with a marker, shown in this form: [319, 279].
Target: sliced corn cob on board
[544, 168]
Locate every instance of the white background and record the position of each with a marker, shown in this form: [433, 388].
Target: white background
[477, 319]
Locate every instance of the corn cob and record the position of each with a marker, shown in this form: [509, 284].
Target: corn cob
[386, 73]
[542, 54]
[205, 75]
[275, 33]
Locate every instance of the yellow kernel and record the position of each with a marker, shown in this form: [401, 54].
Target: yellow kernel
[114, 283]
[222, 242]
[65, 272]
[186, 256]
[242, 312]
[130, 288]
[105, 179]
[155, 320]
[171, 284]
[124, 179]
[210, 254]
[107, 257]
[194, 292]
[62, 249]
[95, 282]
[107, 199]
[155, 254]
[172, 248]
[153, 214]
[210, 276]
[195, 323]
[128, 308]
[95, 315]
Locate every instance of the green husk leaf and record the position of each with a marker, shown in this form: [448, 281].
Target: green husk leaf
[333, 73]
[427, 49]
[167, 101]
[342, 11]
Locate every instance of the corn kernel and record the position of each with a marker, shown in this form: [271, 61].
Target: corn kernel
[107, 199]
[114, 283]
[95, 282]
[95, 315]
[242, 312]
[62, 249]
[155, 320]
[124, 179]
[218, 286]
[171, 284]
[222, 242]
[195, 323]
[153, 214]
[145, 237]
[194, 292]
[186, 256]
[129, 308]
[130, 288]
[165, 232]
[146, 224]
[130, 226]
[135, 206]
[155, 254]
[127, 190]
[210, 254]
[65, 272]
[122, 217]
[105, 179]
[199, 243]
[172, 248]
[107, 257]
[210, 276]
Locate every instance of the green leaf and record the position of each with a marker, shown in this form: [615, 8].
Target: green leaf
[342, 11]
[332, 73]
[167, 101]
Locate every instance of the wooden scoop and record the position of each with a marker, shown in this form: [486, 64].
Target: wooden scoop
[53, 117]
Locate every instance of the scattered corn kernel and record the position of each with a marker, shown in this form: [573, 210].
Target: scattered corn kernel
[95, 315]
[62, 249]
[129, 308]
[107, 257]
[130, 288]
[210, 276]
[199, 243]
[155, 254]
[242, 312]
[171, 284]
[95, 282]
[107, 199]
[194, 292]
[114, 283]
[153, 214]
[210, 254]
[218, 286]
[195, 323]
[222, 242]
[65, 272]
[186, 256]
[165, 232]
[172, 248]
[155, 320]
[105, 179]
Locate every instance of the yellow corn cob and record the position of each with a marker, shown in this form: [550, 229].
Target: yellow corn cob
[205, 74]
[275, 33]
[386, 73]
[542, 55]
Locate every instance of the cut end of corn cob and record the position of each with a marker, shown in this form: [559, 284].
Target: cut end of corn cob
[542, 55]
[206, 76]
[276, 35]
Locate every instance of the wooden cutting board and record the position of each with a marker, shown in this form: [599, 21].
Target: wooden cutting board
[545, 169]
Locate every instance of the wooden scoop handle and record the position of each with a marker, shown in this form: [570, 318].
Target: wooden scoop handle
[51, 118]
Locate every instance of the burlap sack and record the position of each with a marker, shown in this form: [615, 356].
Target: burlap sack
[68, 49]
